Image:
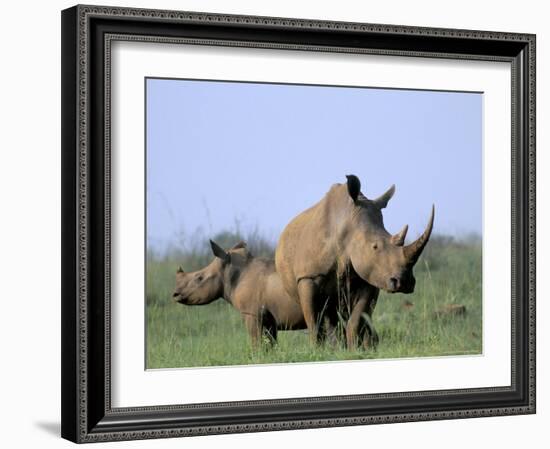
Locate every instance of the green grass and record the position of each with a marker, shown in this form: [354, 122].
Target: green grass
[214, 335]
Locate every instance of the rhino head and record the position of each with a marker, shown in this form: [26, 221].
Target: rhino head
[381, 259]
[204, 286]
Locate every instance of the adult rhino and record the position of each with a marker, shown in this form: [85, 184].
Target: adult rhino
[340, 249]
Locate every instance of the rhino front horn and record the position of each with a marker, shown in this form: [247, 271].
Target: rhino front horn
[399, 238]
[413, 251]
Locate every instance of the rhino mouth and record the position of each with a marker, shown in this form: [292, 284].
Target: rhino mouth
[396, 285]
[405, 290]
[178, 298]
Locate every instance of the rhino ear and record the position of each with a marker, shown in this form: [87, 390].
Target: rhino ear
[180, 270]
[220, 252]
[240, 245]
[354, 187]
[382, 200]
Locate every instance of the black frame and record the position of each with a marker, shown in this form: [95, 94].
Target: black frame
[87, 32]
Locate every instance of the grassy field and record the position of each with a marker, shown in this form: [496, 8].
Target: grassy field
[448, 273]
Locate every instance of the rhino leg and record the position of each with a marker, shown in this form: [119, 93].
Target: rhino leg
[268, 326]
[307, 291]
[328, 332]
[254, 328]
[261, 326]
[332, 331]
[370, 336]
[369, 339]
[359, 329]
[354, 325]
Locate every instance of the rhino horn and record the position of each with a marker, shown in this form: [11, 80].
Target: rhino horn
[399, 238]
[413, 251]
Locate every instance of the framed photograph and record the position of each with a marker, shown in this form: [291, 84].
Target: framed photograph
[351, 205]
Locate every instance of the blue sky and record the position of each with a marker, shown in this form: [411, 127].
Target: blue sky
[258, 154]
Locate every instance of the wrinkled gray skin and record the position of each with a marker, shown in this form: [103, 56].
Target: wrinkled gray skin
[251, 285]
[340, 249]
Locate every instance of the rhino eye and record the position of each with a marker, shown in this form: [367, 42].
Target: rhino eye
[199, 278]
[375, 246]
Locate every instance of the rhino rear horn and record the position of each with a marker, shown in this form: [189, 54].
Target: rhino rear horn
[219, 252]
[382, 200]
[354, 187]
[399, 238]
[413, 251]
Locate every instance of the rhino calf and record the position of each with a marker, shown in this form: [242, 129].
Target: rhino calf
[250, 284]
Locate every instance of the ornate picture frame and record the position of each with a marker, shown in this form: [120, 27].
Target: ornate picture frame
[88, 33]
